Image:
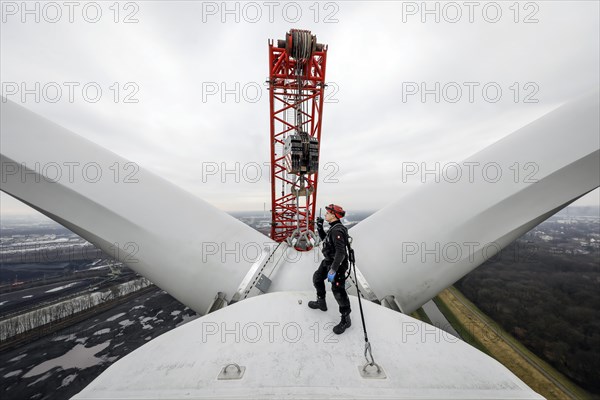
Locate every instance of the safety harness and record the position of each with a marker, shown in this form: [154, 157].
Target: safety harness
[352, 261]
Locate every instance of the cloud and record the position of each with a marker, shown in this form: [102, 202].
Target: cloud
[177, 51]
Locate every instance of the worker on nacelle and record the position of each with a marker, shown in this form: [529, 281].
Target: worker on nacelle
[334, 266]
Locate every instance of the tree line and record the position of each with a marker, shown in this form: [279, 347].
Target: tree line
[551, 303]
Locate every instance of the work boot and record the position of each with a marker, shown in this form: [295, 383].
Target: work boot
[344, 324]
[320, 304]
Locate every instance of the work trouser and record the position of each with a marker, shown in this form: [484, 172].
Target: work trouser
[338, 287]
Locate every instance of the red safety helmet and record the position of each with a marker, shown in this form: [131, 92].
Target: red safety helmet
[336, 210]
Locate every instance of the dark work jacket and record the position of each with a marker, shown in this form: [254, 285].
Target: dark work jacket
[334, 244]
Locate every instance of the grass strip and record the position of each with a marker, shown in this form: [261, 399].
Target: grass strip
[421, 315]
[464, 331]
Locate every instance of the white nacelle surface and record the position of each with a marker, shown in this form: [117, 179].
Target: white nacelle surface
[288, 351]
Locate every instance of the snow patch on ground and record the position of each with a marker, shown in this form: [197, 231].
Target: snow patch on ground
[100, 267]
[186, 319]
[144, 321]
[102, 331]
[114, 317]
[78, 357]
[66, 338]
[62, 287]
[44, 377]
[13, 373]
[27, 297]
[125, 323]
[176, 312]
[68, 380]
[17, 358]
[3, 302]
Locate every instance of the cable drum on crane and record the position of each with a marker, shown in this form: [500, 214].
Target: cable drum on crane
[300, 44]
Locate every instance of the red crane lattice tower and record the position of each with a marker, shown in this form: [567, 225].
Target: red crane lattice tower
[296, 90]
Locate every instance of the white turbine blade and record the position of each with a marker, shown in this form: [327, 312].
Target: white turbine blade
[181, 243]
[426, 241]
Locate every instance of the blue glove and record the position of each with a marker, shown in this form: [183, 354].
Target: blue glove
[331, 275]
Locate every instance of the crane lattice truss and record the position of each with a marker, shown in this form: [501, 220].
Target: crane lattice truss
[296, 90]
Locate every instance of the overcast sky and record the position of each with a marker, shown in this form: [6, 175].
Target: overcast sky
[172, 56]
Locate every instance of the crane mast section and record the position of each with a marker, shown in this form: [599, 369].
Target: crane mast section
[297, 67]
